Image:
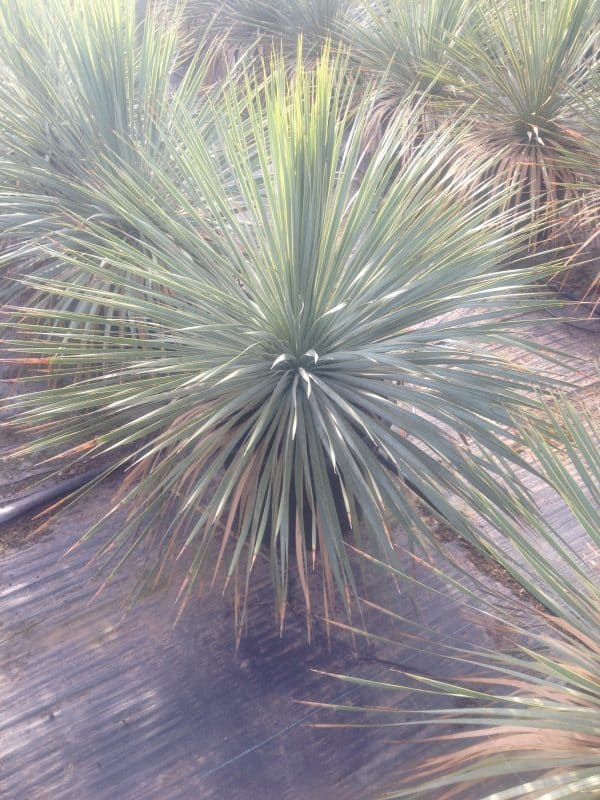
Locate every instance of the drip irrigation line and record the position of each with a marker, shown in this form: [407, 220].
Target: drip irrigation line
[43, 497]
[23, 505]
[275, 735]
[268, 739]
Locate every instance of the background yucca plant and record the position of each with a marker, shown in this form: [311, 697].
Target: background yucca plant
[407, 44]
[82, 85]
[293, 362]
[410, 42]
[533, 718]
[581, 279]
[246, 25]
[527, 68]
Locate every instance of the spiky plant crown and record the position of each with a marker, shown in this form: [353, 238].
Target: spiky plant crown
[296, 334]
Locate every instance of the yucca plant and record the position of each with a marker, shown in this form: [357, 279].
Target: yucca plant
[409, 41]
[407, 44]
[267, 24]
[581, 279]
[296, 366]
[527, 68]
[82, 84]
[532, 725]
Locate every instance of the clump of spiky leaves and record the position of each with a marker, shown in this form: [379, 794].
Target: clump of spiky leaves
[82, 84]
[407, 44]
[533, 721]
[295, 361]
[268, 24]
[527, 67]
[581, 277]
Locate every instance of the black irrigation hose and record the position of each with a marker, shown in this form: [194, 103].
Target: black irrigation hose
[23, 505]
[43, 497]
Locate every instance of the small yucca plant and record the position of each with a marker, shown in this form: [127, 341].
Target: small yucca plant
[82, 84]
[531, 729]
[580, 221]
[407, 44]
[290, 362]
[409, 41]
[268, 24]
[528, 69]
